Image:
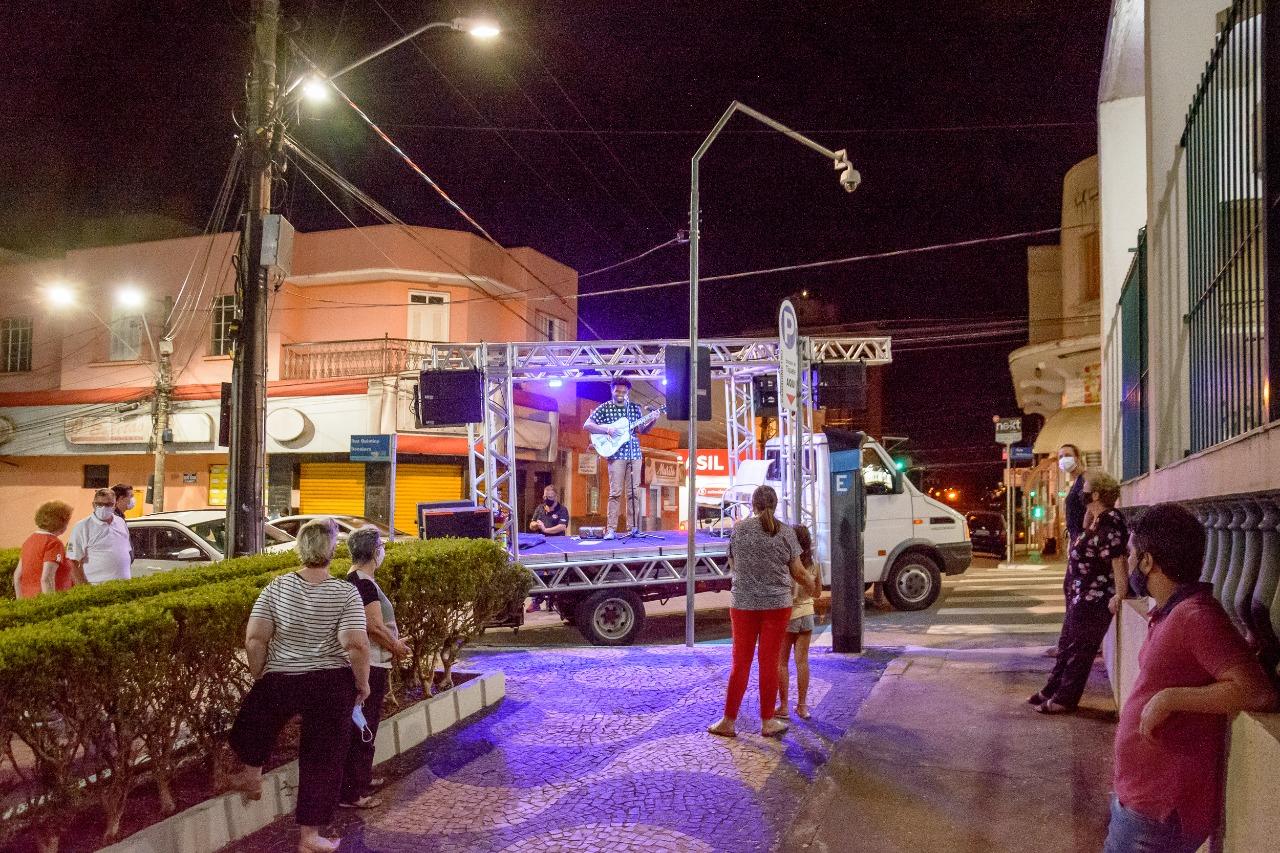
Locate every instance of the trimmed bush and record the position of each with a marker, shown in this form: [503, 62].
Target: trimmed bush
[131, 678]
[8, 562]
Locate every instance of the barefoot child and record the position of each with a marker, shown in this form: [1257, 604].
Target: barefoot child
[799, 632]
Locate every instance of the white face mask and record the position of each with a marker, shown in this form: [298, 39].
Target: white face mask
[132, 502]
[104, 513]
[1067, 463]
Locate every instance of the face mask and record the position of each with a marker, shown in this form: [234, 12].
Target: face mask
[132, 503]
[549, 501]
[1066, 463]
[1138, 582]
[104, 513]
[357, 717]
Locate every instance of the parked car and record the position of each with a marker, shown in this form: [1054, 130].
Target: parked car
[190, 537]
[346, 524]
[987, 531]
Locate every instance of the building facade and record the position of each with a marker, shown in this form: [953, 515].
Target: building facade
[349, 327]
[1057, 375]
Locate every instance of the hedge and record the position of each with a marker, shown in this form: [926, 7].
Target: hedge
[113, 690]
[8, 562]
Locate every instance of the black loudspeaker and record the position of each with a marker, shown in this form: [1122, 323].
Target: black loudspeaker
[842, 386]
[450, 398]
[677, 364]
[464, 523]
[224, 416]
[765, 389]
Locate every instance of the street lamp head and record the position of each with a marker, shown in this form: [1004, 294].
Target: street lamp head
[315, 90]
[60, 295]
[849, 176]
[477, 27]
[130, 297]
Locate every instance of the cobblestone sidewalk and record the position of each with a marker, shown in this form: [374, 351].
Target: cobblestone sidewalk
[605, 750]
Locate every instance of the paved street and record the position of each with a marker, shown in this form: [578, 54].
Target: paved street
[604, 749]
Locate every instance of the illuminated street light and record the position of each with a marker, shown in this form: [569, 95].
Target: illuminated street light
[60, 295]
[315, 90]
[130, 297]
[476, 27]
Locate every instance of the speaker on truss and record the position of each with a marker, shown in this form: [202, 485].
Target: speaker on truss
[842, 386]
[677, 375]
[765, 389]
[450, 398]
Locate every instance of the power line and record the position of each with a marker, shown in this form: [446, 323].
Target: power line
[862, 131]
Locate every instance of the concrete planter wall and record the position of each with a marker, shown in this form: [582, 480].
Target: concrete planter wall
[215, 823]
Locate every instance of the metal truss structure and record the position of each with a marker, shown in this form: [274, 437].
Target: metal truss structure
[629, 570]
[492, 457]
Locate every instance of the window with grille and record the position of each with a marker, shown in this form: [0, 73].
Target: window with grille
[126, 334]
[15, 342]
[224, 315]
[549, 328]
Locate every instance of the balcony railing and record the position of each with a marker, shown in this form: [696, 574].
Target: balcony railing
[1225, 168]
[1132, 317]
[351, 359]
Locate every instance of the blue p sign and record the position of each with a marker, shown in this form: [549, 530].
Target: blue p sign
[788, 325]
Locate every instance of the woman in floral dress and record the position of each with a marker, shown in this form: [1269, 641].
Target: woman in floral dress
[1096, 584]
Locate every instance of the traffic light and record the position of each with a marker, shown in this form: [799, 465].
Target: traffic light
[900, 462]
[1037, 512]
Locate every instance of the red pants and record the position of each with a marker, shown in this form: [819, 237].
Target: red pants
[769, 627]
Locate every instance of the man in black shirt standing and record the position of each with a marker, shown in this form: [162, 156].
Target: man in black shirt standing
[551, 518]
[1071, 464]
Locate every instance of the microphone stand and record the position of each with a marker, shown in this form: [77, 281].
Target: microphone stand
[633, 506]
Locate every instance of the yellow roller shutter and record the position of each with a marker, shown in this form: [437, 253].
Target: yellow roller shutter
[423, 483]
[332, 488]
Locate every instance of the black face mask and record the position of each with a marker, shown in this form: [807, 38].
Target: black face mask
[1138, 581]
[549, 501]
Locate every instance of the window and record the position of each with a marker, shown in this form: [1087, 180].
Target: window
[224, 315]
[170, 543]
[549, 328]
[15, 342]
[1134, 450]
[1091, 267]
[126, 334]
[877, 475]
[97, 476]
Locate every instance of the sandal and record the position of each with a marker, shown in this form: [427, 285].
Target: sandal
[773, 728]
[320, 845]
[366, 802]
[802, 711]
[1037, 699]
[724, 727]
[781, 711]
[1051, 707]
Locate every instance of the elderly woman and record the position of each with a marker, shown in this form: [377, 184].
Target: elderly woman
[1097, 580]
[765, 558]
[309, 655]
[367, 552]
[43, 565]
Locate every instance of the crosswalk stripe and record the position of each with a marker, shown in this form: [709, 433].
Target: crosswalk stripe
[1017, 598]
[990, 587]
[1035, 610]
[1014, 628]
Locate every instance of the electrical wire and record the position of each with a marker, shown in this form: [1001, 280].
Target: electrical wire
[819, 131]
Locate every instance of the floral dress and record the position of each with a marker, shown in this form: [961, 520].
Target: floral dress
[1089, 576]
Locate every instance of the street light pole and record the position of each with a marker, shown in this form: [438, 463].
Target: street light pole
[164, 391]
[249, 364]
[850, 179]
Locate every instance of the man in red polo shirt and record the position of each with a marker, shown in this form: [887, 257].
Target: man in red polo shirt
[1196, 672]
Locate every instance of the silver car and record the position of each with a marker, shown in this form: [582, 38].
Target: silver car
[346, 525]
[190, 537]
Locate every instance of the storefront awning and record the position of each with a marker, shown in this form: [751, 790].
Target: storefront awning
[1078, 425]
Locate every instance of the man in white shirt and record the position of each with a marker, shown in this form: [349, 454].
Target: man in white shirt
[99, 544]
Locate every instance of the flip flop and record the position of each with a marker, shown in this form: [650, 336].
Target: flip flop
[774, 728]
[365, 802]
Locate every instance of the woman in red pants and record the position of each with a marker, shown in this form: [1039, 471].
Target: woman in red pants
[765, 558]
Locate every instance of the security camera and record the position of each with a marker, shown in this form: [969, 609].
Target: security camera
[850, 179]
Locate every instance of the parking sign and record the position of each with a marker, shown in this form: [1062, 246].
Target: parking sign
[789, 354]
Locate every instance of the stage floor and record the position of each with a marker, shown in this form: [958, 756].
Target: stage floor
[536, 549]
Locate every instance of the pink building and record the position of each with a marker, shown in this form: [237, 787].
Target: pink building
[348, 328]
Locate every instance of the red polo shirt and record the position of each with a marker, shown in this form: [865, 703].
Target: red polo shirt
[1190, 643]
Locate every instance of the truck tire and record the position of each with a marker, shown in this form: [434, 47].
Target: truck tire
[610, 617]
[914, 582]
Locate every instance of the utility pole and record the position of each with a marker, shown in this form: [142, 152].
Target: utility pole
[245, 512]
[164, 392]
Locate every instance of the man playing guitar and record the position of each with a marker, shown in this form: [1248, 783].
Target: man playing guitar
[624, 465]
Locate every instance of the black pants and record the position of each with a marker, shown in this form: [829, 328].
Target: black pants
[1082, 632]
[358, 769]
[324, 698]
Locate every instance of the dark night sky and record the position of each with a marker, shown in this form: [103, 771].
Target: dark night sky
[118, 107]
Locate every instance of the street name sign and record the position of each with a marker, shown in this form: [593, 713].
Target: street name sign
[371, 448]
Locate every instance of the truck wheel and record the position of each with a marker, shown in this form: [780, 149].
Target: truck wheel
[913, 583]
[610, 617]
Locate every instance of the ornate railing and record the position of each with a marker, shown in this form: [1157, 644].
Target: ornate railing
[350, 359]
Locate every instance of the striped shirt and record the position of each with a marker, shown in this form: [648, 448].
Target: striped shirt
[307, 618]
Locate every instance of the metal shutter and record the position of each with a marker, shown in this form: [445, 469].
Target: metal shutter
[332, 488]
[423, 483]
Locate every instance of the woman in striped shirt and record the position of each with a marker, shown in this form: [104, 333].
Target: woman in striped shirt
[309, 655]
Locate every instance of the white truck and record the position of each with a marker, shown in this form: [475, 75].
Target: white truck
[910, 539]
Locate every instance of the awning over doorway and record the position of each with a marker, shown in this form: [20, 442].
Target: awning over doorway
[1078, 425]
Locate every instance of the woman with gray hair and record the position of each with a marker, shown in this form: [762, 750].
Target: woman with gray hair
[765, 557]
[1097, 580]
[309, 655]
[367, 552]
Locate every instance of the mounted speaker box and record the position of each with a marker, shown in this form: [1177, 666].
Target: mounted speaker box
[450, 398]
[765, 389]
[842, 386]
[677, 374]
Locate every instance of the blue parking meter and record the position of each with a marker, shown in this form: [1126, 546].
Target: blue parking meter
[848, 503]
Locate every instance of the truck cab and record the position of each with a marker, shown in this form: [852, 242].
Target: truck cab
[910, 539]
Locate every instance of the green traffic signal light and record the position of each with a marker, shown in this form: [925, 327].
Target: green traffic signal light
[900, 464]
[1037, 513]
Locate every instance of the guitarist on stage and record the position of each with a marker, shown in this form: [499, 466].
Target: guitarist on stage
[624, 466]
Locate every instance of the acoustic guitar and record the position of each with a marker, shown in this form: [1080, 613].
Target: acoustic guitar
[607, 445]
